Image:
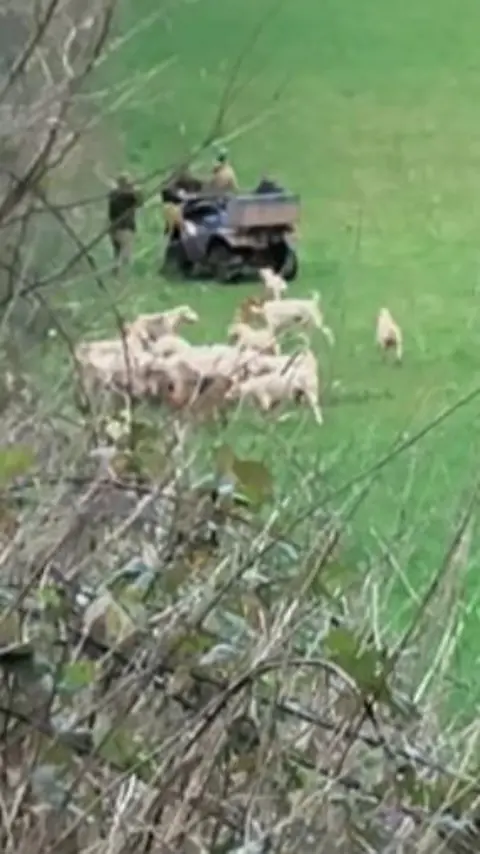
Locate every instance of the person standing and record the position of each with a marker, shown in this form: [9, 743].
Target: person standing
[223, 179]
[123, 202]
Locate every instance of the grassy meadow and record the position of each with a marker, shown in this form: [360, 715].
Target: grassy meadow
[370, 111]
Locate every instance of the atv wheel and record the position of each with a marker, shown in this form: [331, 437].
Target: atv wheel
[283, 260]
[289, 268]
[221, 262]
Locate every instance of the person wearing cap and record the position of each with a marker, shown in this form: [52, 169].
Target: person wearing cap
[123, 202]
[223, 178]
[267, 186]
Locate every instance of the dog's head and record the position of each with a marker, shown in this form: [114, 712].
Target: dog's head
[187, 314]
[147, 327]
[384, 315]
[255, 308]
[266, 274]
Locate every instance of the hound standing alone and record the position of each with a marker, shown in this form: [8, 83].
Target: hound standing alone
[389, 335]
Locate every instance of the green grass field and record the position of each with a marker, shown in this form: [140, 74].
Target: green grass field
[376, 124]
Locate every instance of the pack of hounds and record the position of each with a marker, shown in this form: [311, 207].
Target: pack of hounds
[151, 361]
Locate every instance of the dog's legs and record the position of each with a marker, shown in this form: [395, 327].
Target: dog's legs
[312, 400]
[317, 412]
[265, 403]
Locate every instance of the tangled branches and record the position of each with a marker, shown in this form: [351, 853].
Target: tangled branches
[56, 47]
[175, 678]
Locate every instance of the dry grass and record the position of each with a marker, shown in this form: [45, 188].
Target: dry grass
[182, 673]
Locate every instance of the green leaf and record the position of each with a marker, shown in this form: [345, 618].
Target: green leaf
[130, 602]
[252, 477]
[342, 645]
[149, 459]
[114, 744]
[122, 465]
[54, 602]
[107, 620]
[189, 647]
[77, 675]
[50, 597]
[254, 480]
[119, 624]
[15, 461]
[366, 666]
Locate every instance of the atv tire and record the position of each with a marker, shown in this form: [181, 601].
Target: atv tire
[283, 260]
[221, 262]
[289, 269]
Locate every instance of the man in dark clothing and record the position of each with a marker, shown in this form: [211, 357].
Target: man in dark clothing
[123, 202]
[267, 186]
[172, 196]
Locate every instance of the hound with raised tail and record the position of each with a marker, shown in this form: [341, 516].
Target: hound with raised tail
[288, 313]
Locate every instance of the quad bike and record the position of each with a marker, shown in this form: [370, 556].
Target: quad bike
[230, 239]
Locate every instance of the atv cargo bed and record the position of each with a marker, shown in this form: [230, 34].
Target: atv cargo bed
[280, 210]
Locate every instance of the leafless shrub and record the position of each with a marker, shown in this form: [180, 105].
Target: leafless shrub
[182, 671]
[51, 49]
